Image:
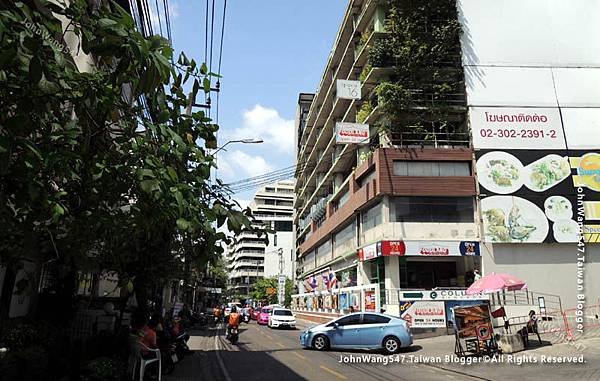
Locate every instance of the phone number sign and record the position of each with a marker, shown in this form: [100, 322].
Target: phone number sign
[517, 128]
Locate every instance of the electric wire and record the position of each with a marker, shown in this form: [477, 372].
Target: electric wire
[250, 183]
[159, 18]
[220, 59]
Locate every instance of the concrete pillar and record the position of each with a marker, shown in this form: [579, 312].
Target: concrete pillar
[338, 180]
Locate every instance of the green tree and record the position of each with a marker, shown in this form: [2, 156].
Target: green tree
[263, 291]
[107, 169]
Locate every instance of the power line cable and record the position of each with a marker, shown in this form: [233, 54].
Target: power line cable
[159, 18]
[218, 85]
[247, 184]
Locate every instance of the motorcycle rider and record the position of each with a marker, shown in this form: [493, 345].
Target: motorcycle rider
[234, 320]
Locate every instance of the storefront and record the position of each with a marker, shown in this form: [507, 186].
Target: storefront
[423, 264]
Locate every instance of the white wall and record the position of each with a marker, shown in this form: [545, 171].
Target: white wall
[547, 268]
[285, 241]
[550, 33]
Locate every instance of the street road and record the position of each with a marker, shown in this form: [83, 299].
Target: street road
[274, 354]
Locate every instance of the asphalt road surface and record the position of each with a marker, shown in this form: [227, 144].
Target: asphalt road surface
[275, 354]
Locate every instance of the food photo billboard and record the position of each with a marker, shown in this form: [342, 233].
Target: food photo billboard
[525, 175]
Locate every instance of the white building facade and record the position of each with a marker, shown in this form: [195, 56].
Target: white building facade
[252, 257]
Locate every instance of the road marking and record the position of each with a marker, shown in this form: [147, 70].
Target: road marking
[449, 376]
[338, 375]
[269, 336]
[281, 345]
[219, 359]
[299, 355]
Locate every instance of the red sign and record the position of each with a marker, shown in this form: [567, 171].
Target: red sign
[393, 248]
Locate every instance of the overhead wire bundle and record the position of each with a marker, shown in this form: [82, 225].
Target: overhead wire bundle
[271, 177]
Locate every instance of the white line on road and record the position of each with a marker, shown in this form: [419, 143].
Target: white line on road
[219, 359]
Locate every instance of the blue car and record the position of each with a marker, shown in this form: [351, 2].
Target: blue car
[365, 330]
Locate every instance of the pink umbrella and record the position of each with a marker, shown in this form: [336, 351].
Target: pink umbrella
[496, 282]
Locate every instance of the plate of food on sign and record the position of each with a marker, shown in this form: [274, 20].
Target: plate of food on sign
[513, 219]
[500, 172]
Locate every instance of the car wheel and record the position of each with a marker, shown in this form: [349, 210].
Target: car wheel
[391, 345]
[320, 342]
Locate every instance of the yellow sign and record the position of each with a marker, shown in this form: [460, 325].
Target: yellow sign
[588, 171]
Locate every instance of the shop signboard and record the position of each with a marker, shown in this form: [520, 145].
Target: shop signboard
[423, 314]
[369, 252]
[351, 133]
[441, 294]
[419, 248]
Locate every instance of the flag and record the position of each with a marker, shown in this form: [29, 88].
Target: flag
[331, 280]
[312, 282]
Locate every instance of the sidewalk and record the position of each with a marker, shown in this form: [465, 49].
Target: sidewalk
[536, 363]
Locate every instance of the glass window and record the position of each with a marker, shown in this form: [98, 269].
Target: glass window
[324, 253]
[375, 319]
[283, 313]
[349, 320]
[345, 236]
[283, 226]
[432, 168]
[367, 179]
[433, 209]
[371, 218]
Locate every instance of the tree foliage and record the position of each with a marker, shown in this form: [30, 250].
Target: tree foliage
[263, 291]
[105, 169]
[422, 43]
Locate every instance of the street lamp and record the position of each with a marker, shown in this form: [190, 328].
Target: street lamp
[244, 141]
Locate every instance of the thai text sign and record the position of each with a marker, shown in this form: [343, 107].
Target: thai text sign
[351, 133]
[516, 128]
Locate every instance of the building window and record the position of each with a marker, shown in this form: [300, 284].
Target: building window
[283, 226]
[433, 209]
[324, 253]
[345, 238]
[432, 168]
[367, 179]
[371, 218]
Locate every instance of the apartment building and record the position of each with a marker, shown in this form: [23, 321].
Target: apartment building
[398, 209]
[252, 257]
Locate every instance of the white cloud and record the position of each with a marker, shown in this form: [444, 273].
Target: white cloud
[266, 123]
[236, 165]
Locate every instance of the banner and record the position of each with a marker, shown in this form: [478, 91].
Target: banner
[423, 314]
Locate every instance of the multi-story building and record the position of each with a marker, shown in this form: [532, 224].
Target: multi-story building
[252, 257]
[397, 209]
[402, 208]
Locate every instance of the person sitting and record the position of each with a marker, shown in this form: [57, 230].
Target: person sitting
[530, 327]
[234, 320]
[146, 335]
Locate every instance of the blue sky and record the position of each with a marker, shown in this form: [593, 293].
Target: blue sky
[273, 50]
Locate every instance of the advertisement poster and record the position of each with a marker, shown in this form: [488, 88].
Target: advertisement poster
[370, 301]
[423, 314]
[344, 301]
[421, 248]
[473, 321]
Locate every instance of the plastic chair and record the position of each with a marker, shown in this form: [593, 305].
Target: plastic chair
[137, 348]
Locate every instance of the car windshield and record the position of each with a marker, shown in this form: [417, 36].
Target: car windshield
[266, 310]
[283, 312]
